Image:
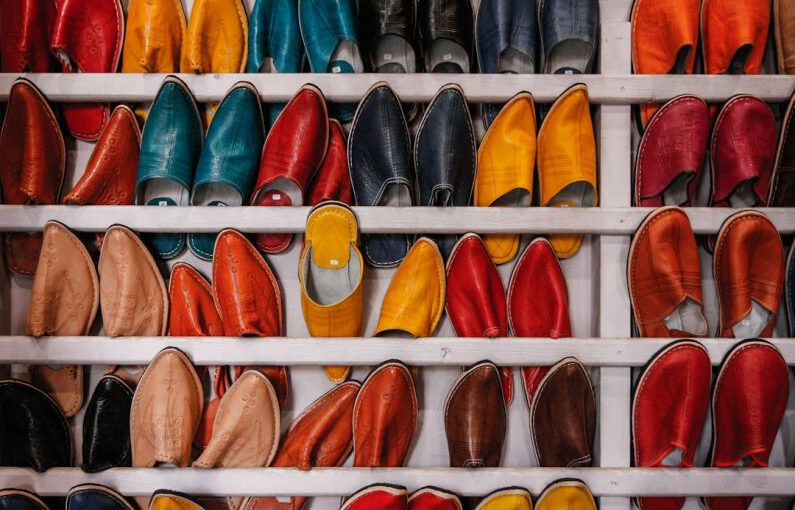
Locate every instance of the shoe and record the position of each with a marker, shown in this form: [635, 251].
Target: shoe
[384, 417]
[671, 153]
[506, 35]
[332, 180]
[377, 497]
[748, 269]
[664, 277]
[567, 161]
[229, 158]
[35, 432]
[734, 35]
[106, 426]
[64, 301]
[664, 40]
[446, 33]
[476, 298]
[570, 494]
[95, 497]
[217, 38]
[17, 499]
[166, 168]
[538, 303]
[248, 298]
[433, 498]
[155, 33]
[563, 417]
[87, 38]
[328, 29]
[742, 153]
[168, 500]
[569, 33]
[414, 301]
[164, 417]
[506, 161]
[782, 182]
[748, 404]
[292, 154]
[321, 436]
[789, 297]
[513, 498]
[475, 418]
[133, 297]
[274, 43]
[25, 179]
[668, 412]
[379, 160]
[445, 157]
[784, 26]
[25, 35]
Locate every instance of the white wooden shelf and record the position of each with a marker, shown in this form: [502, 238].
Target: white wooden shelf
[601, 352]
[382, 220]
[467, 482]
[602, 89]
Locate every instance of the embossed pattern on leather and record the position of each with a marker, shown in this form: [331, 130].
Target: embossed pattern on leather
[106, 426]
[25, 32]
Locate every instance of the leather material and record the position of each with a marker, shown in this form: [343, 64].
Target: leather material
[571, 494]
[444, 155]
[95, 497]
[446, 19]
[16, 499]
[217, 38]
[106, 426]
[330, 272]
[784, 26]
[382, 497]
[414, 301]
[248, 297]
[742, 152]
[292, 154]
[664, 40]
[782, 185]
[432, 498]
[475, 302]
[672, 149]
[562, 22]
[734, 35]
[563, 417]
[506, 161]
[384, 417]
[133, 296]
[664, 273]
[155, 31]
[567, 159]
[165, 411]
[87, 38]
[33, 429]
[475, 418]
[274, 43]
[379, 159]
[668, 411]
[173, 116]
[789, 293]
[538, 303]
[64, 301]
[332, 180]
[748, 268]
[748, 404]
[32, 163]
[507, 499]
[167, 500]
[505, 31]
[25, 32]
[321, 436]
[229, 158]
[382, 18]
[324, 26]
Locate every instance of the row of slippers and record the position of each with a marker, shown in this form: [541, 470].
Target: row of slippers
[377, 419]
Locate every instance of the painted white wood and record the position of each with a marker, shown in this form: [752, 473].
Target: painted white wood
[608, 88]
[607, 220]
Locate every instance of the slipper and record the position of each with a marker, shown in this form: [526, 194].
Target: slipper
[217, 38]
[332, 180]
[143, 51]
[106, 426]
[380, 496]
[734, 35]
[25, 39]
[17, 499]
[784, 26]
[95, 497]
[569, 494]
[569, 35]
[782, 182]
[514, 498]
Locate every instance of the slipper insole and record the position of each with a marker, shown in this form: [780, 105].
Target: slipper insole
[572, 54]
[752, 324]
[676, 192]
[216, 193]
[689, 318]
[743, 196]
[395, 52]
[515, 62]
[579, 194]
[445, 51]
[327, 286]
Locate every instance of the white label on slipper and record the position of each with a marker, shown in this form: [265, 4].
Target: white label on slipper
[387, 56]
[334, 262]
[277, 196]
[336, 69]
[447, 56]
[162, 203]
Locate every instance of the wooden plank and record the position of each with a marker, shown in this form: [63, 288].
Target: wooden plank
[621, 482]
[429, 220]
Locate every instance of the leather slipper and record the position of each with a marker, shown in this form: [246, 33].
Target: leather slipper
[217, 38]
[25, 38]
[734, 35]
[515, 498]
[170, 500]
[434, 498]
[91, 496]
[782, 182]
[143, 51]
[106, 426]
[569, 34]
[17, 499]
[789, 288]
[380, 496]
[332, 180]
[570, 494]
